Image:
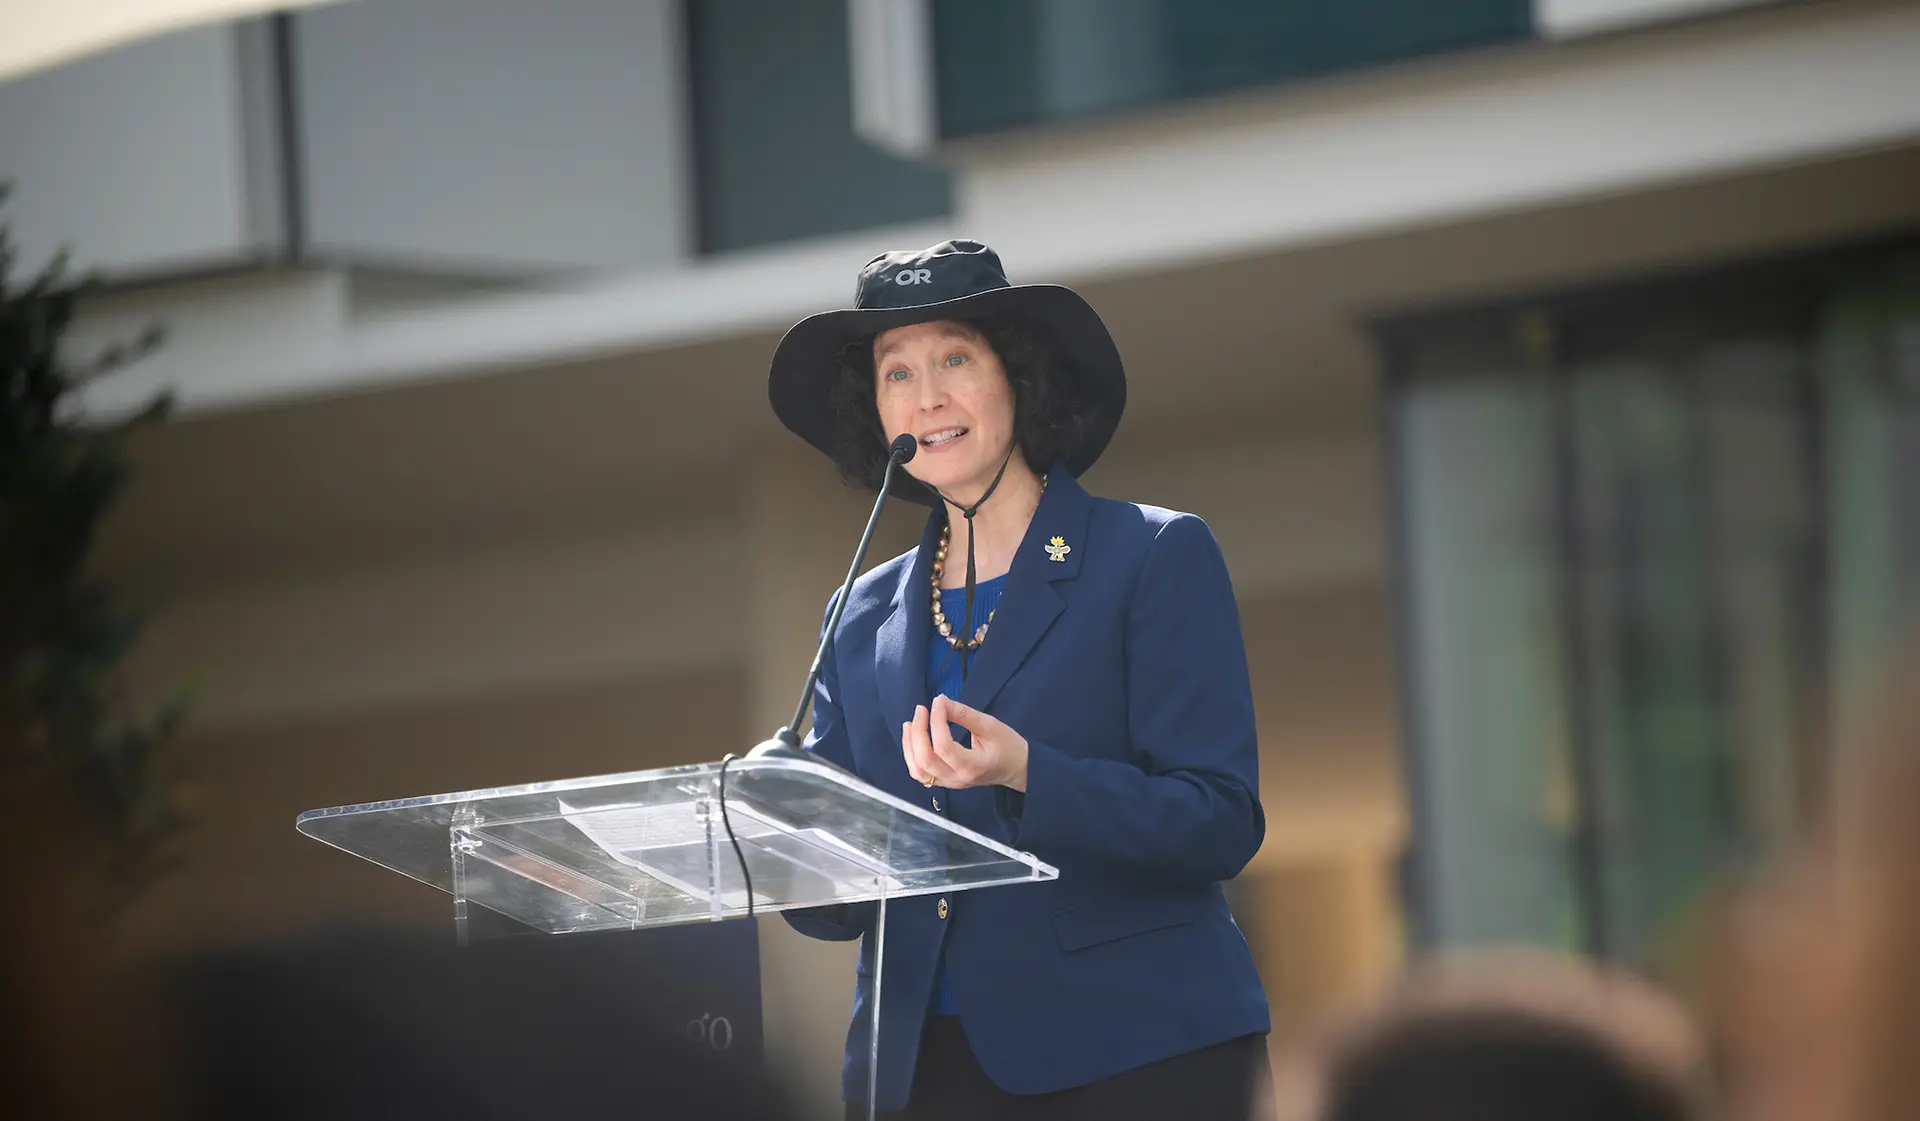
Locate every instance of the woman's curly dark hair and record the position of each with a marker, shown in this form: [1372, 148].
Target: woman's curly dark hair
[1051, 416]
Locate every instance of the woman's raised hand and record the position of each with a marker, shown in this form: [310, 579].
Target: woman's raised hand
[998, 756]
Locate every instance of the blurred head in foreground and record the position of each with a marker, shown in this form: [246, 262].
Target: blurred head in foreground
[1514, 1037]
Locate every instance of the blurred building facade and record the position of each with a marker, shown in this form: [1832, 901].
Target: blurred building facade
[1550, 372]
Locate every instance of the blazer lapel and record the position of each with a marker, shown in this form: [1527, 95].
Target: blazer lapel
[900, 645]
[1030, 603]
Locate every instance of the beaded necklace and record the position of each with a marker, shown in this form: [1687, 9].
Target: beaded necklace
[940, 623]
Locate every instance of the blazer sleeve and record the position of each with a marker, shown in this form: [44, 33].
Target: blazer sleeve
[827, 737]
[1187, 807]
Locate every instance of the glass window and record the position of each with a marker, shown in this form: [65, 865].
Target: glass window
[1639, 532]
[1484, 588]
[1010, 63]
[1691, 540]
[1870, 378]
[775, 150]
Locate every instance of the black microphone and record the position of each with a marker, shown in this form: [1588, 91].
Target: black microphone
[786, 742]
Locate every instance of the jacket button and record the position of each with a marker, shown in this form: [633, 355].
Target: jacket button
[940, 908]
[936, 801]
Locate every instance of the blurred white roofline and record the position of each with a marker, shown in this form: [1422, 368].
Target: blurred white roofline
[37, 34]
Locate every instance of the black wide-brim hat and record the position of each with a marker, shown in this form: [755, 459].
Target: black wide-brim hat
[953, 280]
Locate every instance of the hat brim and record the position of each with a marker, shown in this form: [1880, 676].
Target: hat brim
[800, 379]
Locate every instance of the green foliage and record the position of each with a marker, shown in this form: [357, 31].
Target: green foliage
[66, 731]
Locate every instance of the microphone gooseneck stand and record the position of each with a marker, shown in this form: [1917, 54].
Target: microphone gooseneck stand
[785, 743]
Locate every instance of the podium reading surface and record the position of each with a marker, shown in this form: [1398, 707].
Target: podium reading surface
[653, 848]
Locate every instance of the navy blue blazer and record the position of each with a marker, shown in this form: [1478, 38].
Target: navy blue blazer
[1124, 668]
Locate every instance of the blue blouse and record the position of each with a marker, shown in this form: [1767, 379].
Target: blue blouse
[944, 678]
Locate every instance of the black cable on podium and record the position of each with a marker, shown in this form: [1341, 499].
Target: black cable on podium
[786, 742]
[725, 762]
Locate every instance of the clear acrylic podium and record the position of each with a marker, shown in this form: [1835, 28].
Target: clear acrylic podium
[652, 848]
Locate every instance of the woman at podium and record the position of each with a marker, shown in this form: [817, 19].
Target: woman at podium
[1062, 672]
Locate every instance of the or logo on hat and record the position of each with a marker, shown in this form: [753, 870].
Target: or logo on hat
[913, 276]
